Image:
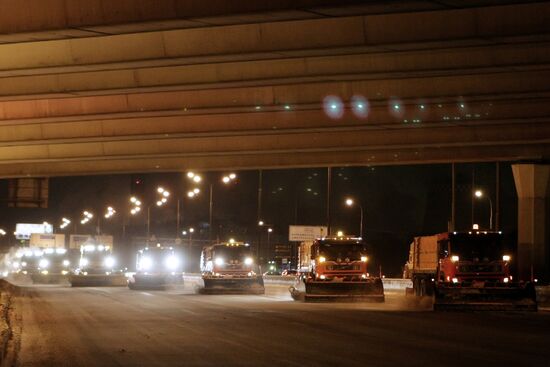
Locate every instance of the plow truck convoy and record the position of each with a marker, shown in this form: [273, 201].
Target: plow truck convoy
[335, 269]
[230, 268]
[467, 270]
[156, 268]
[97, 266]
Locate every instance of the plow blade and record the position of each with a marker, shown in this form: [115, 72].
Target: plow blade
[98, 280]
[520, 298]
[49, 278]
[372, 291]
[251, 285]
[152, 282]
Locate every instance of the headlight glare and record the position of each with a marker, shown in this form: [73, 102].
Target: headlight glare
[172, 262]
[145, 263]
[43, 263]
[109, 262]
[219, 261]
[248, 261]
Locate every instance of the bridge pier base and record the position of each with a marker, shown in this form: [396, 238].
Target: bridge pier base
[533, 235]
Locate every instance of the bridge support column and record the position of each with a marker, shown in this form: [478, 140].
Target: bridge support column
[533, 245]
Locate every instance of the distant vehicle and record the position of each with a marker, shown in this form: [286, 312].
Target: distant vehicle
[230, 267]
[336, 268]
[97, 267]
[157, 267]
[289, 272]
[54, 265]
[467, 270]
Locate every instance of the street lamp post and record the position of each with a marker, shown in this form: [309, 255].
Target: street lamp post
[269, 231]
[192, 193]
[479, 194]
[350, 202]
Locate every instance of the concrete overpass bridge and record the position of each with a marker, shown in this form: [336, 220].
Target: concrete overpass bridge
[92, 87]
[101, 86]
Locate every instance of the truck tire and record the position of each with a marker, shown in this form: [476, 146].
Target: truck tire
[423, 288]
[416, 286]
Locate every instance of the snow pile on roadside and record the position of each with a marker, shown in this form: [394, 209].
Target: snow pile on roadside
[5, 330]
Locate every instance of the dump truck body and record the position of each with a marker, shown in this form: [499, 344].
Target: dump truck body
[156, 268]
[467, 270]
[230, 268]
[335, 269]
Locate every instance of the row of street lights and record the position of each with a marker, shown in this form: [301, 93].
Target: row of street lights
[162, 199]
[477, 193]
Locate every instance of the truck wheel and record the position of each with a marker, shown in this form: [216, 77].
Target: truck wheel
[416, 287]
[423, 288]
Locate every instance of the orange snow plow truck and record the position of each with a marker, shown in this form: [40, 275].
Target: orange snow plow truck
[335, 269]
[467, 271]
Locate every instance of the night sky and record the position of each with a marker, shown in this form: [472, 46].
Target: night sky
[399, 202]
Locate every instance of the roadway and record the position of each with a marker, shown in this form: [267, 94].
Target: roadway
[63, 326]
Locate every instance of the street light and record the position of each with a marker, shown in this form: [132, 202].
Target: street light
[110, 212]
[350, 203]
[479, 194]
[87, 216]
[136, 205]
[269, 231]
[227, 179]
[64, 223]
[161, 200]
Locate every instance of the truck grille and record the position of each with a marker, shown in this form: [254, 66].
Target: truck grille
[343, 267]
[480, 268]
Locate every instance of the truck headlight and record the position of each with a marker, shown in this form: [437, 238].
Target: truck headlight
[84, 262]
[505, 280]
[109, 262]
[172, 262]
[364, 259]
[455, 280]
[146, 263]
[248, 261]
[43, 263]
[219, 261]
[322, 259]
[506, 258]
[66, 263]
[455, 258]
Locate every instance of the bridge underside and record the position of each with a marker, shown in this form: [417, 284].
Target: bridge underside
[90, 87]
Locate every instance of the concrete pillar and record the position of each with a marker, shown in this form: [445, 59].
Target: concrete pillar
[533, 247]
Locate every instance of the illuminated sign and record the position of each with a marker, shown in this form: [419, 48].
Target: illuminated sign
[23, 231]
[306, 233]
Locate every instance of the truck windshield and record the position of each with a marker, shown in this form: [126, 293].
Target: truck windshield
[232, 252]
[477, 247]
[334, 251]
[157, 254]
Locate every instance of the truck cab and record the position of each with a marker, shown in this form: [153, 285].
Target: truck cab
[230, 267]
[339, 258]
[336, 268]
[467, 258]
[467, 270]
[157, 267]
